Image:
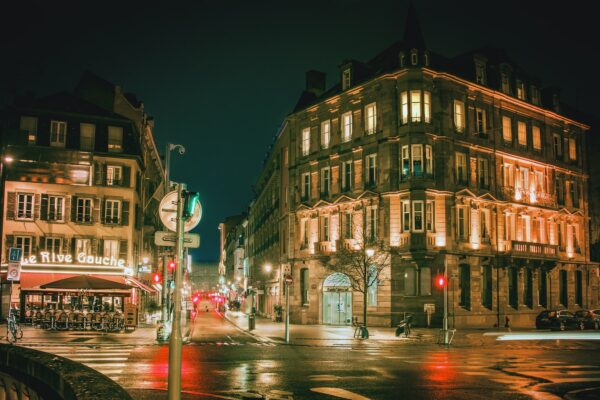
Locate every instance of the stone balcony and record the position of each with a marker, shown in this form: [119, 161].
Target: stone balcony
[533, 249]
[529, 197]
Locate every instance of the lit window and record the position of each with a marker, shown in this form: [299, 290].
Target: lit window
[88, 137]
[111, 248]
[347, 128]
[53, 245]
[115, 139]
[371, 112]
[305, 141]
[480, 120]
[507, 129]
[58, 133]
[84, 210]
[462, 222]
[114, 174]
[537, 137]
[25, 206]
[372, 169]
[404, 98]
[427, 106]
[325, 134]
[415, 105]
[405, 162]
[417, 216]
[325, 229]
[83, 246]
[520, 90]
[459, 116]
[428, 160]
[572, 149]
[406, 216]
[429, 216]
[522, 133]
[417, 159]
[112, 211]
[29, 126]
[346, 79]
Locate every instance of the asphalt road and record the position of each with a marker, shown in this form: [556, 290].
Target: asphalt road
[223, 362]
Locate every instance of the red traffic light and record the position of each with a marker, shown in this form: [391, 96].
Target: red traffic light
[156, 277]
[440, 281]
[195, 299]
[171, 265]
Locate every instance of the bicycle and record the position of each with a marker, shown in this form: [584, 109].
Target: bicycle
[13, 329]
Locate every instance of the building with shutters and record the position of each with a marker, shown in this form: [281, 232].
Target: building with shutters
[456, 163]
[81, 192]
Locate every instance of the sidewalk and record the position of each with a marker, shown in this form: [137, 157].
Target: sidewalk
[328, 335]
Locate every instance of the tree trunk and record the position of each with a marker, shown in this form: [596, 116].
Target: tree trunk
[365, 293]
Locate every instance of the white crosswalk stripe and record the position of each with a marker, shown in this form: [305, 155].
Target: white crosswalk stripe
[108, 360]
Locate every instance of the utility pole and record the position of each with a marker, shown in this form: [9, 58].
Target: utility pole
[176, 341]
[445, 326]
[287, 312]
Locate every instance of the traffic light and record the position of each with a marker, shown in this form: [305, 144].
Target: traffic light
[190, 202]
[172, 265]
[440, 281]
[156, 277]
[195, 299]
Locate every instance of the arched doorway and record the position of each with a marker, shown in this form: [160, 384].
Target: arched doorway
[337, 300]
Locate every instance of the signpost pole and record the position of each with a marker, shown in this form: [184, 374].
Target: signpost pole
[176, 341]
[445, 326]
[287, 313]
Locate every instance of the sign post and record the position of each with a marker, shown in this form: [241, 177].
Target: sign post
[288, 281]
[13, 273]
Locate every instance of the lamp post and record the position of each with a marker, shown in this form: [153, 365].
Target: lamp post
[3, 159]
[167, 185]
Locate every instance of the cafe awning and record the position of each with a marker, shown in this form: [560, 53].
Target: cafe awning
[86, 282]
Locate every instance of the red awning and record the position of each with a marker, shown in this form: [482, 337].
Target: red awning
[139, 284]
[31, 281]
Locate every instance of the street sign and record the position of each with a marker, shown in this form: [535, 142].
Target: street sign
[13, 273]
[167, 212]
[190, 240]
[288, 280]
[14, 254]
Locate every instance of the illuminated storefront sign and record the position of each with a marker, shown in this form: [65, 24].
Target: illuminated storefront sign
[46, 257]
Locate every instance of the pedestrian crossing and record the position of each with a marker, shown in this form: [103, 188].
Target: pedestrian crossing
[108, 360]
[233, 344]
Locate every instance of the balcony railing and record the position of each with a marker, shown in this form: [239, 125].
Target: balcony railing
[529, 197]
[534, 249]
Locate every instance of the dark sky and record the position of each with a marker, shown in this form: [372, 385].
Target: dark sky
[220, 76]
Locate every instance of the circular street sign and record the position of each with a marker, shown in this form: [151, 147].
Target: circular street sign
[167, 212]
[288, 280]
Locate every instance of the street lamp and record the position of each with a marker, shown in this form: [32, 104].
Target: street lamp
[268, 268]
[370, 252]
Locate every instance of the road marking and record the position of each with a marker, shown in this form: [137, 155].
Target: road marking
[341, 393]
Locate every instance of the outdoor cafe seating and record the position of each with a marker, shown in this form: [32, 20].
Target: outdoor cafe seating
[76, 320]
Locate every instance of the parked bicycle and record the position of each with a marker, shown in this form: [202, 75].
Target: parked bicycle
[405, 325]
[13, 329]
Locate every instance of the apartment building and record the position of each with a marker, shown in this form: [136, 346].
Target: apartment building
[81, 186]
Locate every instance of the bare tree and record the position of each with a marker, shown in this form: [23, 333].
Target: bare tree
[363, 263]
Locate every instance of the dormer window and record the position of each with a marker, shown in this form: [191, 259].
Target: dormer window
[480, 73]
[520, 90]
[402, 60]
[346, 79]
[426, 59]
[505, 83]
[414, 57]
[535, 95]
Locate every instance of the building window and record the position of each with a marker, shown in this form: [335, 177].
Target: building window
[347, 179]
[513, 287]
[486, 287]
[579, 288]
[462, 223]
[111, 248]
[417, 216]
[304, 285]
[114, 174]
[484, 226]
[459, 116]
[347, 128]
[428, 160]
[84, 210]
[25, 206]
[24, 243]
[28, 125]
[305, 141]
[429, 216]
[406, 216]
[520, 90]
[305, 186]
[58, 133]
[405, 162]
[404, 100]
[572, 149]
[83, 246]
[562, 284]
[537, 137]
[372, 223]
[112, 212]
[427, 106]
[115, 139]
[505, 83]
[415, 105]
[543, 288]
[56, 208]
[410, 287]
[480, 73]
[528, 295]
[481, 121]
[87, 137]
[464, 284]
[417, 160]
[348, 225]
[305, 232]
[372, 169]
[507, 129]
[425, 281]
[535, 95]
[413, 58]
[483, 173]
[372, 287]
[325, 134]
[461, 168]
[371, 113]
[522, 133]
[325, 229]
[346, 79]
[53, 245]
[325, 181]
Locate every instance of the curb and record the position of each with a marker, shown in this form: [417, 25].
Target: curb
[254, 336]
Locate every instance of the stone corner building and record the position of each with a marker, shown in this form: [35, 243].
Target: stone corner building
[462, 163]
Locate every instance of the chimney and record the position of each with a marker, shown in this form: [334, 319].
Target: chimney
[315, 82]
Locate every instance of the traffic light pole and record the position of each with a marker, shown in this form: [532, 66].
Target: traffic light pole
[287, 313]
[176, 341]
[445, 327]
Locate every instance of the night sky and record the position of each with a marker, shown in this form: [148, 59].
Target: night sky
[220, 76]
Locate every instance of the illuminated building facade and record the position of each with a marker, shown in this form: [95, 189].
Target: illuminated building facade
[462, 163]
[81, 191]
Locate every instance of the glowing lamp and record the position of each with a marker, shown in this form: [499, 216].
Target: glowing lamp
[171, 265]
[156, 278]
[440, 281]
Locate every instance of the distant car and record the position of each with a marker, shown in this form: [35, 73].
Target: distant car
[590, 319]
[558, 320]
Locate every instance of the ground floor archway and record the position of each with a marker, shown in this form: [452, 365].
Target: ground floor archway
[337, 300]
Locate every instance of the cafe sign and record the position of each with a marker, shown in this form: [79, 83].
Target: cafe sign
[45, 257]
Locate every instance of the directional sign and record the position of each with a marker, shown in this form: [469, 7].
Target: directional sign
[13, 272]
[14, 254]
[167, 212]
[168, 239]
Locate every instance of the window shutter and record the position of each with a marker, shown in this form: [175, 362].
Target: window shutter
[358, 124]
[98, 170]
[44, 207]
[36, 206]
[102, 205]
[10, 241]
[96, 210]
[73, 245]
[66, 243]
[67, 201]
[11, 205]
[42, 243]
[95, 244]
[123, 249]
[126, 181]
[125, 213]
[73, 208]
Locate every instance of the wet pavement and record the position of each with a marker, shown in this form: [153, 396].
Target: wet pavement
[224, 362]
